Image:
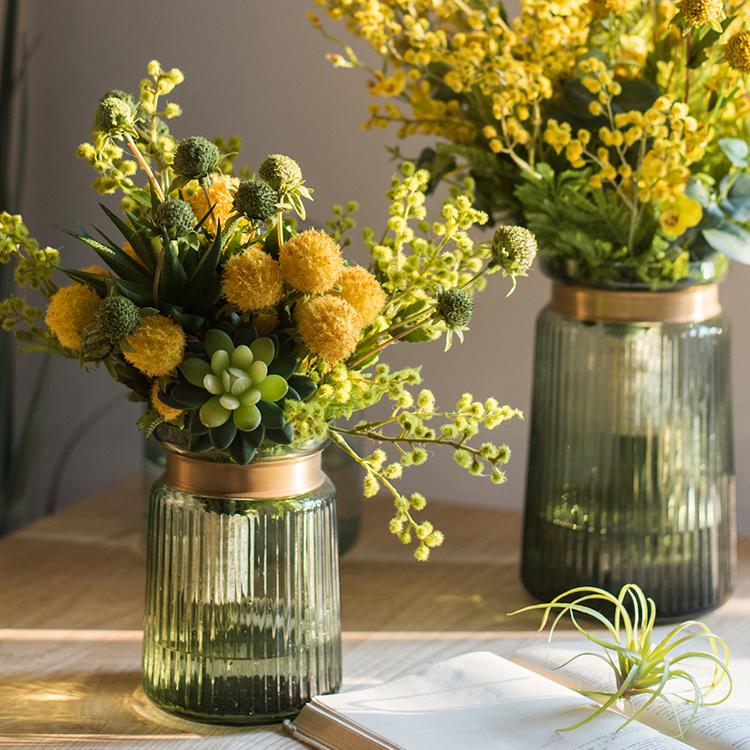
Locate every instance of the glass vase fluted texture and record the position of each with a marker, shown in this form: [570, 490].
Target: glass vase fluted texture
[631, 473]
[242, 618]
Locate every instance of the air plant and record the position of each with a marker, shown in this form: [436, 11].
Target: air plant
[641, 666]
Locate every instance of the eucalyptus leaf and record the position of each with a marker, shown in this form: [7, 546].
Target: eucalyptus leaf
[731, 240]
[736, 150]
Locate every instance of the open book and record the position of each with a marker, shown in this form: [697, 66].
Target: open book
[480, 701]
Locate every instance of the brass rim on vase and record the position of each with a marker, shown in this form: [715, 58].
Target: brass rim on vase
[265, 479]
[690, 305]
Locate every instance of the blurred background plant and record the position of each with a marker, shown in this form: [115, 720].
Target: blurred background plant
[15, 454]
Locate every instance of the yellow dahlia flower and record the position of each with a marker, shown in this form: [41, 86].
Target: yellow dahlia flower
[700, 12]
[221, 194]
[156, 346]
[252, 280]
[311, 261]
[167, 412]
[362, 291]
[329, 326]
[737, 51]
[70, 310]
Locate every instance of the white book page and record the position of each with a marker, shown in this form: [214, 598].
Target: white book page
[722, 727]
[484, 702]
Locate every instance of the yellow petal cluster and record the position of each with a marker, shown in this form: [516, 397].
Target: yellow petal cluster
[252, 280]
[737, 51]
[167, 412]
[156, 347]
[221, 195]
[70, 310]
[329, 326]
[678, 215]
[362, 291]
[311, 262]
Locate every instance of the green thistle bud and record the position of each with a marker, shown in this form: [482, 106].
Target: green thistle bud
[176, 216]
[256, 199]
[116, 317]
[514, 249]
[113, 115]
[280, 172]
[196, 157]
[455, 307]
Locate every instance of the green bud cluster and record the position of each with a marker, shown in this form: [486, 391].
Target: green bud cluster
[196, 157]
[256, 199]
[455, 307]
[514, 249]
[114, 116]
[116, 318]
[280, 172]
[175, 216]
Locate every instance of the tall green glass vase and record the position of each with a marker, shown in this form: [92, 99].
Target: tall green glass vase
[631, 469]
[242, 620]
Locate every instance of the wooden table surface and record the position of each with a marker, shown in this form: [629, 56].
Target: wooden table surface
[71, 591]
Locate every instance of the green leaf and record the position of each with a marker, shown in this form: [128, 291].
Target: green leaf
[173, 277]
[242, 450]
[99, 284]
[189, 396]
[283, 366]
[213, 414]
[282, 436]
[303, 385]
[140, 294]
[195, 369]
[273, 388]
[731, 240]
[736, 150]
[247, 418]
[263, 350]
[120, 262]
[222, 436]
[217, 340]
[271, 414]
[198, 282]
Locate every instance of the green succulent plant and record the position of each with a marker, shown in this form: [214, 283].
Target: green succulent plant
[234, 386]
[174, 275]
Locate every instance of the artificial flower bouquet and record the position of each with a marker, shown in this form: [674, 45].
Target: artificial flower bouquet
[616, 130]
[245, 333]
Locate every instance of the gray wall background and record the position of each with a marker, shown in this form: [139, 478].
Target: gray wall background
[256, 68]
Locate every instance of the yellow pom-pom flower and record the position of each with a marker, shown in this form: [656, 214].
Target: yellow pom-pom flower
[362, 291]
[252, 280]
[221, 196]
[70, 310]
[737, 51]
[311, 262]
[329, 326]
[159, 406]
[700, 12]
[156, 346]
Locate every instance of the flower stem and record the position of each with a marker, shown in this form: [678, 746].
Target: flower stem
[144, 166]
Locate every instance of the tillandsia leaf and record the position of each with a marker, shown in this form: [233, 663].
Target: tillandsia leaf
[138, 293]
[173, 277]
[641, 669]
[204, 273]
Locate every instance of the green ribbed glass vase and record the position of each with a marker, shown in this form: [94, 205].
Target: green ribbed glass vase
[631, 472]
[242, 620]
